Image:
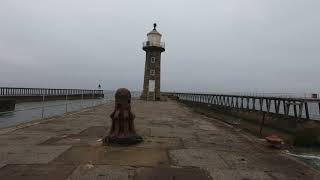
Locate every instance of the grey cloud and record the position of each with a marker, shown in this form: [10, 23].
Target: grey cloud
[233, 45]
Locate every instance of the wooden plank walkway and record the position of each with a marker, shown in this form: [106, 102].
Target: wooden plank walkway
[179, 144]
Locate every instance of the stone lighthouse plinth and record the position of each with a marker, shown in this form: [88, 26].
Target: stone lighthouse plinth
[153, 48]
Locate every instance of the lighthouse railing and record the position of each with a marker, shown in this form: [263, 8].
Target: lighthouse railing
[157, 44]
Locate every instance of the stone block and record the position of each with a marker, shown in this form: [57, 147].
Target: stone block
[234, 174]
[102, 172]
[30, 154]
[176, 173]
[202, 158]
[36, 172]
[124, 156]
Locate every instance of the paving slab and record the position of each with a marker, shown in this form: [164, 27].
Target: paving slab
[26, 139]
[273, 163]
[234, 174]
[113, 156]
[2, 165]
[161, 143]
[170, 173]
[171, 132]
[56, 129]
[202, 158]
[36, 172]
[219, 141]
[102, 172]
[144, 130]
[94, 131]
[219, 146]
[293, 176]
[30, 154]
[220, 136]
[92, 136]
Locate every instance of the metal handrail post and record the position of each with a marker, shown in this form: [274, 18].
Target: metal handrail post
[81, 100]
[92, 99]
[66, 103]
[42, 111]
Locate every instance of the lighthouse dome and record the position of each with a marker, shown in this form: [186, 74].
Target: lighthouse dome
[154, 37]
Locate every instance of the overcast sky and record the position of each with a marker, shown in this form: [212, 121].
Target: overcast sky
[211, 45]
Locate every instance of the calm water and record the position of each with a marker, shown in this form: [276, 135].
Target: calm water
[29, 111]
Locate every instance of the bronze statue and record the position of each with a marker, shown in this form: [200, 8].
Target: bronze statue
[122, 129]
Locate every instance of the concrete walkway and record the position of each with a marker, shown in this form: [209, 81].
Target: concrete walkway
[179, 144]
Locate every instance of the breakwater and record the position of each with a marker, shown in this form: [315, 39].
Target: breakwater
[40, 94]
[299, 108]
[297, 119]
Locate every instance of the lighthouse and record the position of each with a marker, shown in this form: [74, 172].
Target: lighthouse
[153, 48]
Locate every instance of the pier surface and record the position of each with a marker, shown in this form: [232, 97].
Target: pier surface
[178, 144]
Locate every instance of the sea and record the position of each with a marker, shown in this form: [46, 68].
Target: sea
[30, 111]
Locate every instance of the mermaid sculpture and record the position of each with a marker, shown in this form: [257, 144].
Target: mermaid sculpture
[122, 130]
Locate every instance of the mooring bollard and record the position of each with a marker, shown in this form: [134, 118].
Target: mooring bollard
[122, 130]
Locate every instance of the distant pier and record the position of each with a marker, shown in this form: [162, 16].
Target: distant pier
[9, 95]
[37, 94]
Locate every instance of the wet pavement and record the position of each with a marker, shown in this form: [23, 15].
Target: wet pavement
[178, 144]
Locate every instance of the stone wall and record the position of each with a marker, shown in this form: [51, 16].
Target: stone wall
[149, 65]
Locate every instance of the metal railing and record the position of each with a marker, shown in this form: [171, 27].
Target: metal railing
[275, 94]
[65, 104]
[307, 108]
[13, 91]
[156, 44]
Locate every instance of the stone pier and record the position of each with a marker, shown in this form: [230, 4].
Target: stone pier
[178, 144]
